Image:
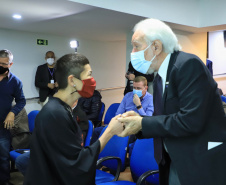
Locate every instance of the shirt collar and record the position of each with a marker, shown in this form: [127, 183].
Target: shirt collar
[141, 99]
[7, 76]
[163, 68]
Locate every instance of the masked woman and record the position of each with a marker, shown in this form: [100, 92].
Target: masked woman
[57, 153]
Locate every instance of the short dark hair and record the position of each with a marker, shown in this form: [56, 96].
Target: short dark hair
[70, 64]
[141, 79]
[50, 52]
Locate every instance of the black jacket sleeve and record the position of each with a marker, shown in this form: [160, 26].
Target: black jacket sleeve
[39, 82]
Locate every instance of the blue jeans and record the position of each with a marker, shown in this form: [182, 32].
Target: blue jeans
[22, 162]
[5, 143]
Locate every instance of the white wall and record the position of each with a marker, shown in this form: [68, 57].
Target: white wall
[217, 54]
[107, 60]
[195, 43]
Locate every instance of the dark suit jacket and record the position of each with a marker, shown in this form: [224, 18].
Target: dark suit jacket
[41, 81]
[149, 77]
[193, 117]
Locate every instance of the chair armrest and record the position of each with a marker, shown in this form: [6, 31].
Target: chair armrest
[145, 175]
[118, 166]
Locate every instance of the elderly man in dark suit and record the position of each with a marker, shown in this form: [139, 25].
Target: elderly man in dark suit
[189, 124]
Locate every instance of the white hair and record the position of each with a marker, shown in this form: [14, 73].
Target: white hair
[155, 29]
[5, 53]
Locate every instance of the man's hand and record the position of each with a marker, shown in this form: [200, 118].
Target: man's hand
[115, 127]
[51, 86]
[132, 125]
[56, 84]
[136, 100]
[9, 121]
[131, 76]
[130, 113]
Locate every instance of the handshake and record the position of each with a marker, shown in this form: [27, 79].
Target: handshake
[126, 124]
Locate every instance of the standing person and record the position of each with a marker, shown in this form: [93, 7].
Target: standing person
[131, 74]
[189, 124]
[45, 78]
[10, 88]
[57, 156]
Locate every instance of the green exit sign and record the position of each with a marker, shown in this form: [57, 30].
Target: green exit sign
[42, 42]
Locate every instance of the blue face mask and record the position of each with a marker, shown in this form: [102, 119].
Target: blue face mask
[137, 92]
[138, 61]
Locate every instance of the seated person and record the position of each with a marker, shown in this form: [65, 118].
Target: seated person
[81, 118]
[139, 101]
[22, 162]
[91, 106]
[57, 155]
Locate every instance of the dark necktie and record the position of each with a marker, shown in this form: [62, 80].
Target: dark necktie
[157, 98]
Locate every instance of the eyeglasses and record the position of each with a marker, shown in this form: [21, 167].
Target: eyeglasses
[4, 64]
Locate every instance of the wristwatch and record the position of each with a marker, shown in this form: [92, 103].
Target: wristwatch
[139, 106]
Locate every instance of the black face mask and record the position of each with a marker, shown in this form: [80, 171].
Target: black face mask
[3, 70]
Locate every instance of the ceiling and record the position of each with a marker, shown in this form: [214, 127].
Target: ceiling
[71, 19]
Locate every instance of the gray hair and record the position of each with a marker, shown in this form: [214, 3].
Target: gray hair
[5, 53]
[155, 29]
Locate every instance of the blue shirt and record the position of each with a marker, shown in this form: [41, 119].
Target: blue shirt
[10, 88]
[127, 104]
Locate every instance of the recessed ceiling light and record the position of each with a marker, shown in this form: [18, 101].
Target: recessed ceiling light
[17, 16]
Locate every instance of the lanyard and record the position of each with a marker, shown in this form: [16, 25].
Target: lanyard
[51, 73]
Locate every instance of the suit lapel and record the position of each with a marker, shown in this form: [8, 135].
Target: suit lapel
[171, 63]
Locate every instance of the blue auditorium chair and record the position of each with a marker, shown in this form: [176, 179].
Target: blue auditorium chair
[223, 98]
[89, 134]
[113, 157]
[111, 113]
[142, 164]
[101, 114]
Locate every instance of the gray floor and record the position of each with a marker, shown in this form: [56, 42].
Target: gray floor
[16, 178]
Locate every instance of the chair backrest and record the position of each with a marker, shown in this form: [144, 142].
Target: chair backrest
[223, 98]
[117, 147]
[111, 112]
[142, 160]
[89, 134]
[100, 117]
[31, 119]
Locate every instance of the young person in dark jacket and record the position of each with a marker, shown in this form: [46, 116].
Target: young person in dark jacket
[91, 106]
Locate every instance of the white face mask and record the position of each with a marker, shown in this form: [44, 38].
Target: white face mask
[50, 61]
[138, 61]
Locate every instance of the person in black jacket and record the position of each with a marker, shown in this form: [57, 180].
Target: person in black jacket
[45, 78]
[131, 74]
[91, 106]
[81, 118]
